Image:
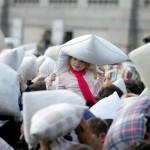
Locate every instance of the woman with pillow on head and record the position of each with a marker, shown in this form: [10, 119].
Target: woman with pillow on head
[79, 65]
[80, 78]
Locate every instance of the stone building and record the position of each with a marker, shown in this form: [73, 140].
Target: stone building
[123, 22]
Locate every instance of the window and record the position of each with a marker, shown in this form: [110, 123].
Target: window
[63, 1]
[26, 1]
[103, 2]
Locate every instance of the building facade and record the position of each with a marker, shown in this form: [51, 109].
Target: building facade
[123, 22]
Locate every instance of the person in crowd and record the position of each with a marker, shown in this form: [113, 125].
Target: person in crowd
[131, 124]
[107, 91]
[9, 131]
[99, 127]
[146, 39]
[92, 132]
[79, 78]
[126, 70]
[134, 86]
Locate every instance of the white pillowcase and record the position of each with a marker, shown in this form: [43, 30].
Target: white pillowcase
[28, 69]
[141, 58]
[121, 85]
[47, 67]
[40, 60]
[53, 52]
[34, 101]
[12, 57]
[56, 120]
[9, 91]
[92, 49]
[107, 107]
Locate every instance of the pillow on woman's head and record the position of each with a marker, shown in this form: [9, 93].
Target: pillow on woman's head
[9, 91]
[12, 57]
[92, 49]
[56, 120]
[141, 58]
[34, 101]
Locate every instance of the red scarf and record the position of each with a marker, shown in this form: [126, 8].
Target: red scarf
[83, 85]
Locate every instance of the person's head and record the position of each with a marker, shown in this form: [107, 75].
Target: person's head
[109, 122]
[146, 39]
[92, 132]
[37, 86]
[78, 65]
[99, 128]
[107, 91]
[134, 86]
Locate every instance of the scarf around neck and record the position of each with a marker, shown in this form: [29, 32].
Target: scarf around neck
[83, 85]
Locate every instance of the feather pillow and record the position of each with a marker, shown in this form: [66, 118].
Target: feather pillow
[141, 58]
[107, 107]
[34, 101]
[9, 91]
[92, 49]
[56, 120]
[12, 57]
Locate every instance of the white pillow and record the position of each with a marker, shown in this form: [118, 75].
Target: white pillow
[28, 69]
[107, 107]
[40, 60]
[9, 91]
[92, 49]
[56, 120]
[141, 58]
[121, 85]
[30, 52]
[34, 101]
[12, 57]
[47, 66]
[53, 52]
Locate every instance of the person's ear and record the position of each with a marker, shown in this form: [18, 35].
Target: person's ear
[102, 137]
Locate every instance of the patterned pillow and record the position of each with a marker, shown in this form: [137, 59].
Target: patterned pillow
[9, 91]
[55, 121]
[34, 101]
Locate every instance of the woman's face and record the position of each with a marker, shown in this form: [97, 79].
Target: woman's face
[77, 64]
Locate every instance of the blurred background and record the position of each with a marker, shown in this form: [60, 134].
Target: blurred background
[52, 22]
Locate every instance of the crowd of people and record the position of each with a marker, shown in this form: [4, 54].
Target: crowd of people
[86, 94]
